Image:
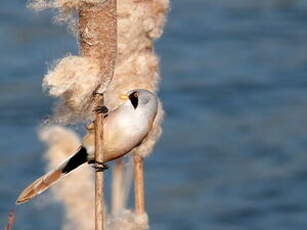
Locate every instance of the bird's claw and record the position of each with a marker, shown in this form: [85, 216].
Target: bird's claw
[97, 93]
[101, 109]
[98, 166]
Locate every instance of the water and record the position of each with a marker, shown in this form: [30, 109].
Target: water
[233, 153]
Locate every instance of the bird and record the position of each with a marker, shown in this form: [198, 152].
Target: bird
[124, 128]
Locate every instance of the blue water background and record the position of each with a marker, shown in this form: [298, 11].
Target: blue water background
[234, 150]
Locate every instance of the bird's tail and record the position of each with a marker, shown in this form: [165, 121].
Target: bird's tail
[45, 181]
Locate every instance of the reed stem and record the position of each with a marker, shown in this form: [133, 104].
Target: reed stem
[118, 196]
[11, 220]
[99, 178]
[98, 40]
[139, 185]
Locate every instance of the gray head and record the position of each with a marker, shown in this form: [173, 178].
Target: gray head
[141, 98]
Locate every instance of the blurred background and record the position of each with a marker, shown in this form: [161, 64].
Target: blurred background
[233, 154]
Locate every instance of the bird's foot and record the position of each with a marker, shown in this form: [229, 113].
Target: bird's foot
[98, 166]
[101, 109]
[97, 93]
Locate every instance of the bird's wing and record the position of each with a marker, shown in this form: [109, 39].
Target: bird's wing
[45, 181]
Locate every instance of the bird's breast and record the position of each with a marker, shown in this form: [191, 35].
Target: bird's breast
[122, 134]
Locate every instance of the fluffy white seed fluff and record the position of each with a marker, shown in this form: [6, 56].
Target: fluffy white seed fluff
[73, 79]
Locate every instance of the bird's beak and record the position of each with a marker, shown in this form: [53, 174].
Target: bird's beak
[124, 97]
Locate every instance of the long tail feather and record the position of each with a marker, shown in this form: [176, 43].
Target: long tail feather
[45, 181]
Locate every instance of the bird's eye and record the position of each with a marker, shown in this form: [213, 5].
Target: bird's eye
[134, 99]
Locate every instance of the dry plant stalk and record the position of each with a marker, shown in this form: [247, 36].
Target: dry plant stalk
[99, 195]
[139, 185]
[11, 220]
[118, 197]
[98, 40]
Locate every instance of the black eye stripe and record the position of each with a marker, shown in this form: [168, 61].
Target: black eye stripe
[133, 97]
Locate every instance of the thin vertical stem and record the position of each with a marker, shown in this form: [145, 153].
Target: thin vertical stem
[118, 199]
[139, 185]
[11, 220]
[99, 179]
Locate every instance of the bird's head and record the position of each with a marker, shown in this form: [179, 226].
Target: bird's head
[140, 99]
